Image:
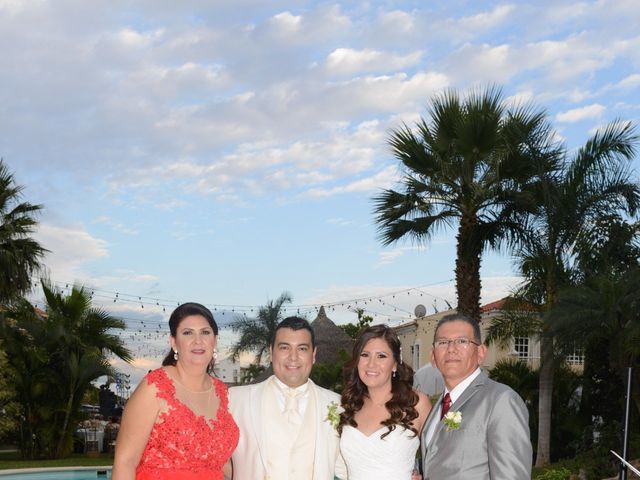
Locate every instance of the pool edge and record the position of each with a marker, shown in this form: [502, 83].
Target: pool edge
[13, 471]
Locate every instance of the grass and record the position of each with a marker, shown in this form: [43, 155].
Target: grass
[13, 460]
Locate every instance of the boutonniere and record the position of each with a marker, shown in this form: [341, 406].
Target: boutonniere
[452, 420]
[333, 414]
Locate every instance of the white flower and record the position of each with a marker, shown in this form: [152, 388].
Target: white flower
[452, 420]
[333, 414]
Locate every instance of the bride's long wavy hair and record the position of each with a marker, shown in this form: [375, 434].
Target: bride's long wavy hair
[401, 406]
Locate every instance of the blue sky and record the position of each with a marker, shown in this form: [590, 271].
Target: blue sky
[225, 152]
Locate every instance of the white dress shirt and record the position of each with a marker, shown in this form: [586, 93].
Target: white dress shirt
[454, 394]
[303, 397]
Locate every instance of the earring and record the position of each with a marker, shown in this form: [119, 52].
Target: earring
[175, 355]
[394, 374]
[215, 354]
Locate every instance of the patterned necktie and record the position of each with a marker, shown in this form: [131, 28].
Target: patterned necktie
[291, 396]
[446, 404]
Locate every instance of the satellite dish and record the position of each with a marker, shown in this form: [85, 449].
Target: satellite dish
[420, 310]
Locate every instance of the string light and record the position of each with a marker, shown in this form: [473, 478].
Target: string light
[144, 339]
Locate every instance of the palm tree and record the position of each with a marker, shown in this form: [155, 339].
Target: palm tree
[256, 333]
[467, 165]
[604, 309]
[571, 196]
[56, 356]
[19, 254]
[8, 405]
[83, 337]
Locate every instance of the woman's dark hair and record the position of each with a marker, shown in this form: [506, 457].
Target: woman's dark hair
[183, 311]
[401, 406]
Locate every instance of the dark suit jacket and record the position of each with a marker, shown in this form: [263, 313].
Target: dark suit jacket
[492, 442]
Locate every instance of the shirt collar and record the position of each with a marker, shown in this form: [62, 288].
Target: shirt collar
[302, 389]
[462, 386]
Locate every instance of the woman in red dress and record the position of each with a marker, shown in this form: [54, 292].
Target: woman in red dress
[176, 424]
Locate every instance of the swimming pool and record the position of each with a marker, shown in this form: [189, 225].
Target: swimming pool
[58, 474]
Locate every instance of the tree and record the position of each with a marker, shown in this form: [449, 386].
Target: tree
[572, 193]
[354, 330]
[466, 165]
[604, 310]
[56, 356]
[9, 407]
[19, 254]
[249, 373]
[256, 333]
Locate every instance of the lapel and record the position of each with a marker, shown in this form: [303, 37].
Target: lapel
[321, 436]
[433, 415]
[256, 394]
[469, 392]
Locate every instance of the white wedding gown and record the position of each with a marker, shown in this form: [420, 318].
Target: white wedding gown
[374, 458]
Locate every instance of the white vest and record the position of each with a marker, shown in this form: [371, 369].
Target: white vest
[291, 448]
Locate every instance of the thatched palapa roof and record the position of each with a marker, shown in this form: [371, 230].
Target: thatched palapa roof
[330, 339]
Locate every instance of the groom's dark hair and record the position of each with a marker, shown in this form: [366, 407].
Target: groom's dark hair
[294, 323]
[461, 317]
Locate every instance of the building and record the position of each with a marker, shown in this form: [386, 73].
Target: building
[228, 371]
[416, 338]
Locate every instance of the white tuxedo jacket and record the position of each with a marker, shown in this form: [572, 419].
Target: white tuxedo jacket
[245, 404]
[492, 442]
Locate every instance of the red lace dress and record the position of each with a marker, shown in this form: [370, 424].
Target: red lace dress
[183, 445]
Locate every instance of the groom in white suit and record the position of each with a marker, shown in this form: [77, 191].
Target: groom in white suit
[284, 430]
[489, 439]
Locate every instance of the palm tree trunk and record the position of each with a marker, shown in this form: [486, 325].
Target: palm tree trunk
[544, 402]
[65, 424]
[468, 268]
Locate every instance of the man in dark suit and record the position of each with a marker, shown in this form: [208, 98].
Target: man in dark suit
[479, 428]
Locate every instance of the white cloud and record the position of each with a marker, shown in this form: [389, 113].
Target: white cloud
[120, 227]
[485, 63]
[347, 61]
[583, 113]
[131, 276]
[264, 167]
[286, 23]
[397, 21]
[486, 20]
[389, 256]
[339, 221]
[558, 13]
[631, 81]
[71, 248]
[13, 7]
[382, 179]
[133, 39]
[520, 98]
[315, 26]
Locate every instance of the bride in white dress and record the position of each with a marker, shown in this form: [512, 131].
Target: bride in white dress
[383, 415]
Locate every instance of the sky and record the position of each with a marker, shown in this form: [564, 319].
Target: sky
[227, 152]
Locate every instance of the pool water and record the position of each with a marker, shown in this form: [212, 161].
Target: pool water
[60, 475]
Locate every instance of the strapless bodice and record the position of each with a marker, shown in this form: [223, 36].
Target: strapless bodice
[374, 458]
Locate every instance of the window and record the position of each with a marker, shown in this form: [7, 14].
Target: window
[416, 356]
[521, 347]
[576, 357]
